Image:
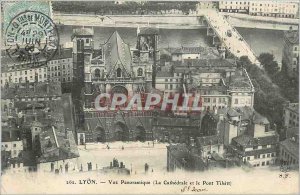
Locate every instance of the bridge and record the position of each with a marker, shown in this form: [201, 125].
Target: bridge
[226, 36]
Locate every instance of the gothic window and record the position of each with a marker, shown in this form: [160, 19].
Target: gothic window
[119, 72]
[97, 73]
[140, 72]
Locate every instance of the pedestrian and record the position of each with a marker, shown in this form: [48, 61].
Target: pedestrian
[146, 167]
[122, 147]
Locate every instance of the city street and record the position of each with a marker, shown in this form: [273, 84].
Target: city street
[134, 154]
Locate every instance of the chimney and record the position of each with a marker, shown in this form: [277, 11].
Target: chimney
[66, 133]
[221, 116]
[47, 88]
[34, 87]
[59, 50]
[215, 110]
[192, 141]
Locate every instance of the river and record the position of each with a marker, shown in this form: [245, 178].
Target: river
[260, 40]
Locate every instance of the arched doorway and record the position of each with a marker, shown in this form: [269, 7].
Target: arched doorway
[121, 132]
[119, 89]
[100, 134]
[140, 134]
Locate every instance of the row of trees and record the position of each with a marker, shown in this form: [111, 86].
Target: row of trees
[288, 86]
[273, 87]
[128, 7]
[267, 99]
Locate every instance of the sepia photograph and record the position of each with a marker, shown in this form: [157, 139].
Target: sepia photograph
[149, 97]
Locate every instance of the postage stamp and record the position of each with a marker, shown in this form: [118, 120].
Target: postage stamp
[31, 35]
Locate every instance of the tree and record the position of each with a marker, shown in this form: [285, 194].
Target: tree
[269, 64]
[268, 99]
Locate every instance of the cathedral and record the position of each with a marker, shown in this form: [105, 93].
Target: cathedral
[114, 67]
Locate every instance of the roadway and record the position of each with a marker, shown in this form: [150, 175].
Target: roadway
[229, 36]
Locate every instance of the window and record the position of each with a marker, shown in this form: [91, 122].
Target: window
[25, 72]
[140, 72]
[15, 145]
[268, 162]
[264, 156]
[273, 154]
[119, 72]
[87, 41]
[97, 73]
[248, 158]
[255, 147]
[263, 164]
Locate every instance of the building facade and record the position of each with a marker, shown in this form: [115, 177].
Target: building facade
[291, 115]
[289, 149]
[281, 9]
[290, 57]
[58, 69]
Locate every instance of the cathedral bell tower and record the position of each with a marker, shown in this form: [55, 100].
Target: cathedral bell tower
[83, 46]
[147, 44]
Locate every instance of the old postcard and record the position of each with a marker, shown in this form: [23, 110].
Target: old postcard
[149, 97]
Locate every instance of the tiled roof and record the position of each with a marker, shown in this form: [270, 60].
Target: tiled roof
[232, 112]
[6, 61]
[10, 134]
[164, 74]
[63, 53]
[188, 50]
[115, 49]
[40, 90]
[209, 140]
[28, 158]
[292, 36]
[83, 32]
[259, 119]
[179, 151]
[182, 155]
[207, 63]
[249, 141]
[148, 31]
[261, 151]
[176, 121]
[239, 80]
[57, 145]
